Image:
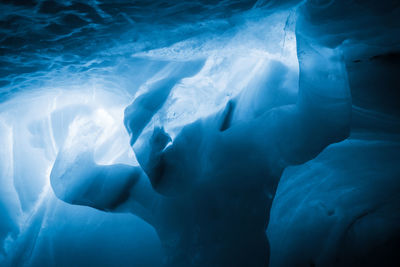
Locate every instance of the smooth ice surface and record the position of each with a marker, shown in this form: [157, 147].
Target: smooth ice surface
[195, 82]
[347, 212]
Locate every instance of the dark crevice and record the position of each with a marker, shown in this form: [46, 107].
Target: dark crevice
[391, 58]
[227, 116]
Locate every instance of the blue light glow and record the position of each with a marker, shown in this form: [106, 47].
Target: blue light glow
[151, 133]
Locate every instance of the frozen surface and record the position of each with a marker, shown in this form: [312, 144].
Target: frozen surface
[194, 72]
[347, 212]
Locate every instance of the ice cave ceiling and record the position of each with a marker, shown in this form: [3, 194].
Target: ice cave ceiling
[68, 67]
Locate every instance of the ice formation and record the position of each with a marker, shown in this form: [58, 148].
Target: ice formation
[212, 133]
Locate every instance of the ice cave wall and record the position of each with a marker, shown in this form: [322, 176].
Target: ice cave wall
[342, 208]
[337, 208]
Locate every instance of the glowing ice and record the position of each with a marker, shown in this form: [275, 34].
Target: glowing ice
[226, 163]
[208, 123]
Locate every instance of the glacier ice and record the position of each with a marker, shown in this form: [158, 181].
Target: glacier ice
[347, 212]
[215, 167]
[33, 228]
[216, 100]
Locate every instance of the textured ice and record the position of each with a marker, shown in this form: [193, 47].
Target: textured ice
[210, 96]
[347, 212]
[229, 162]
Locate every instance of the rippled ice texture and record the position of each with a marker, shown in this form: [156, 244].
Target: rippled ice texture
[66, 63]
